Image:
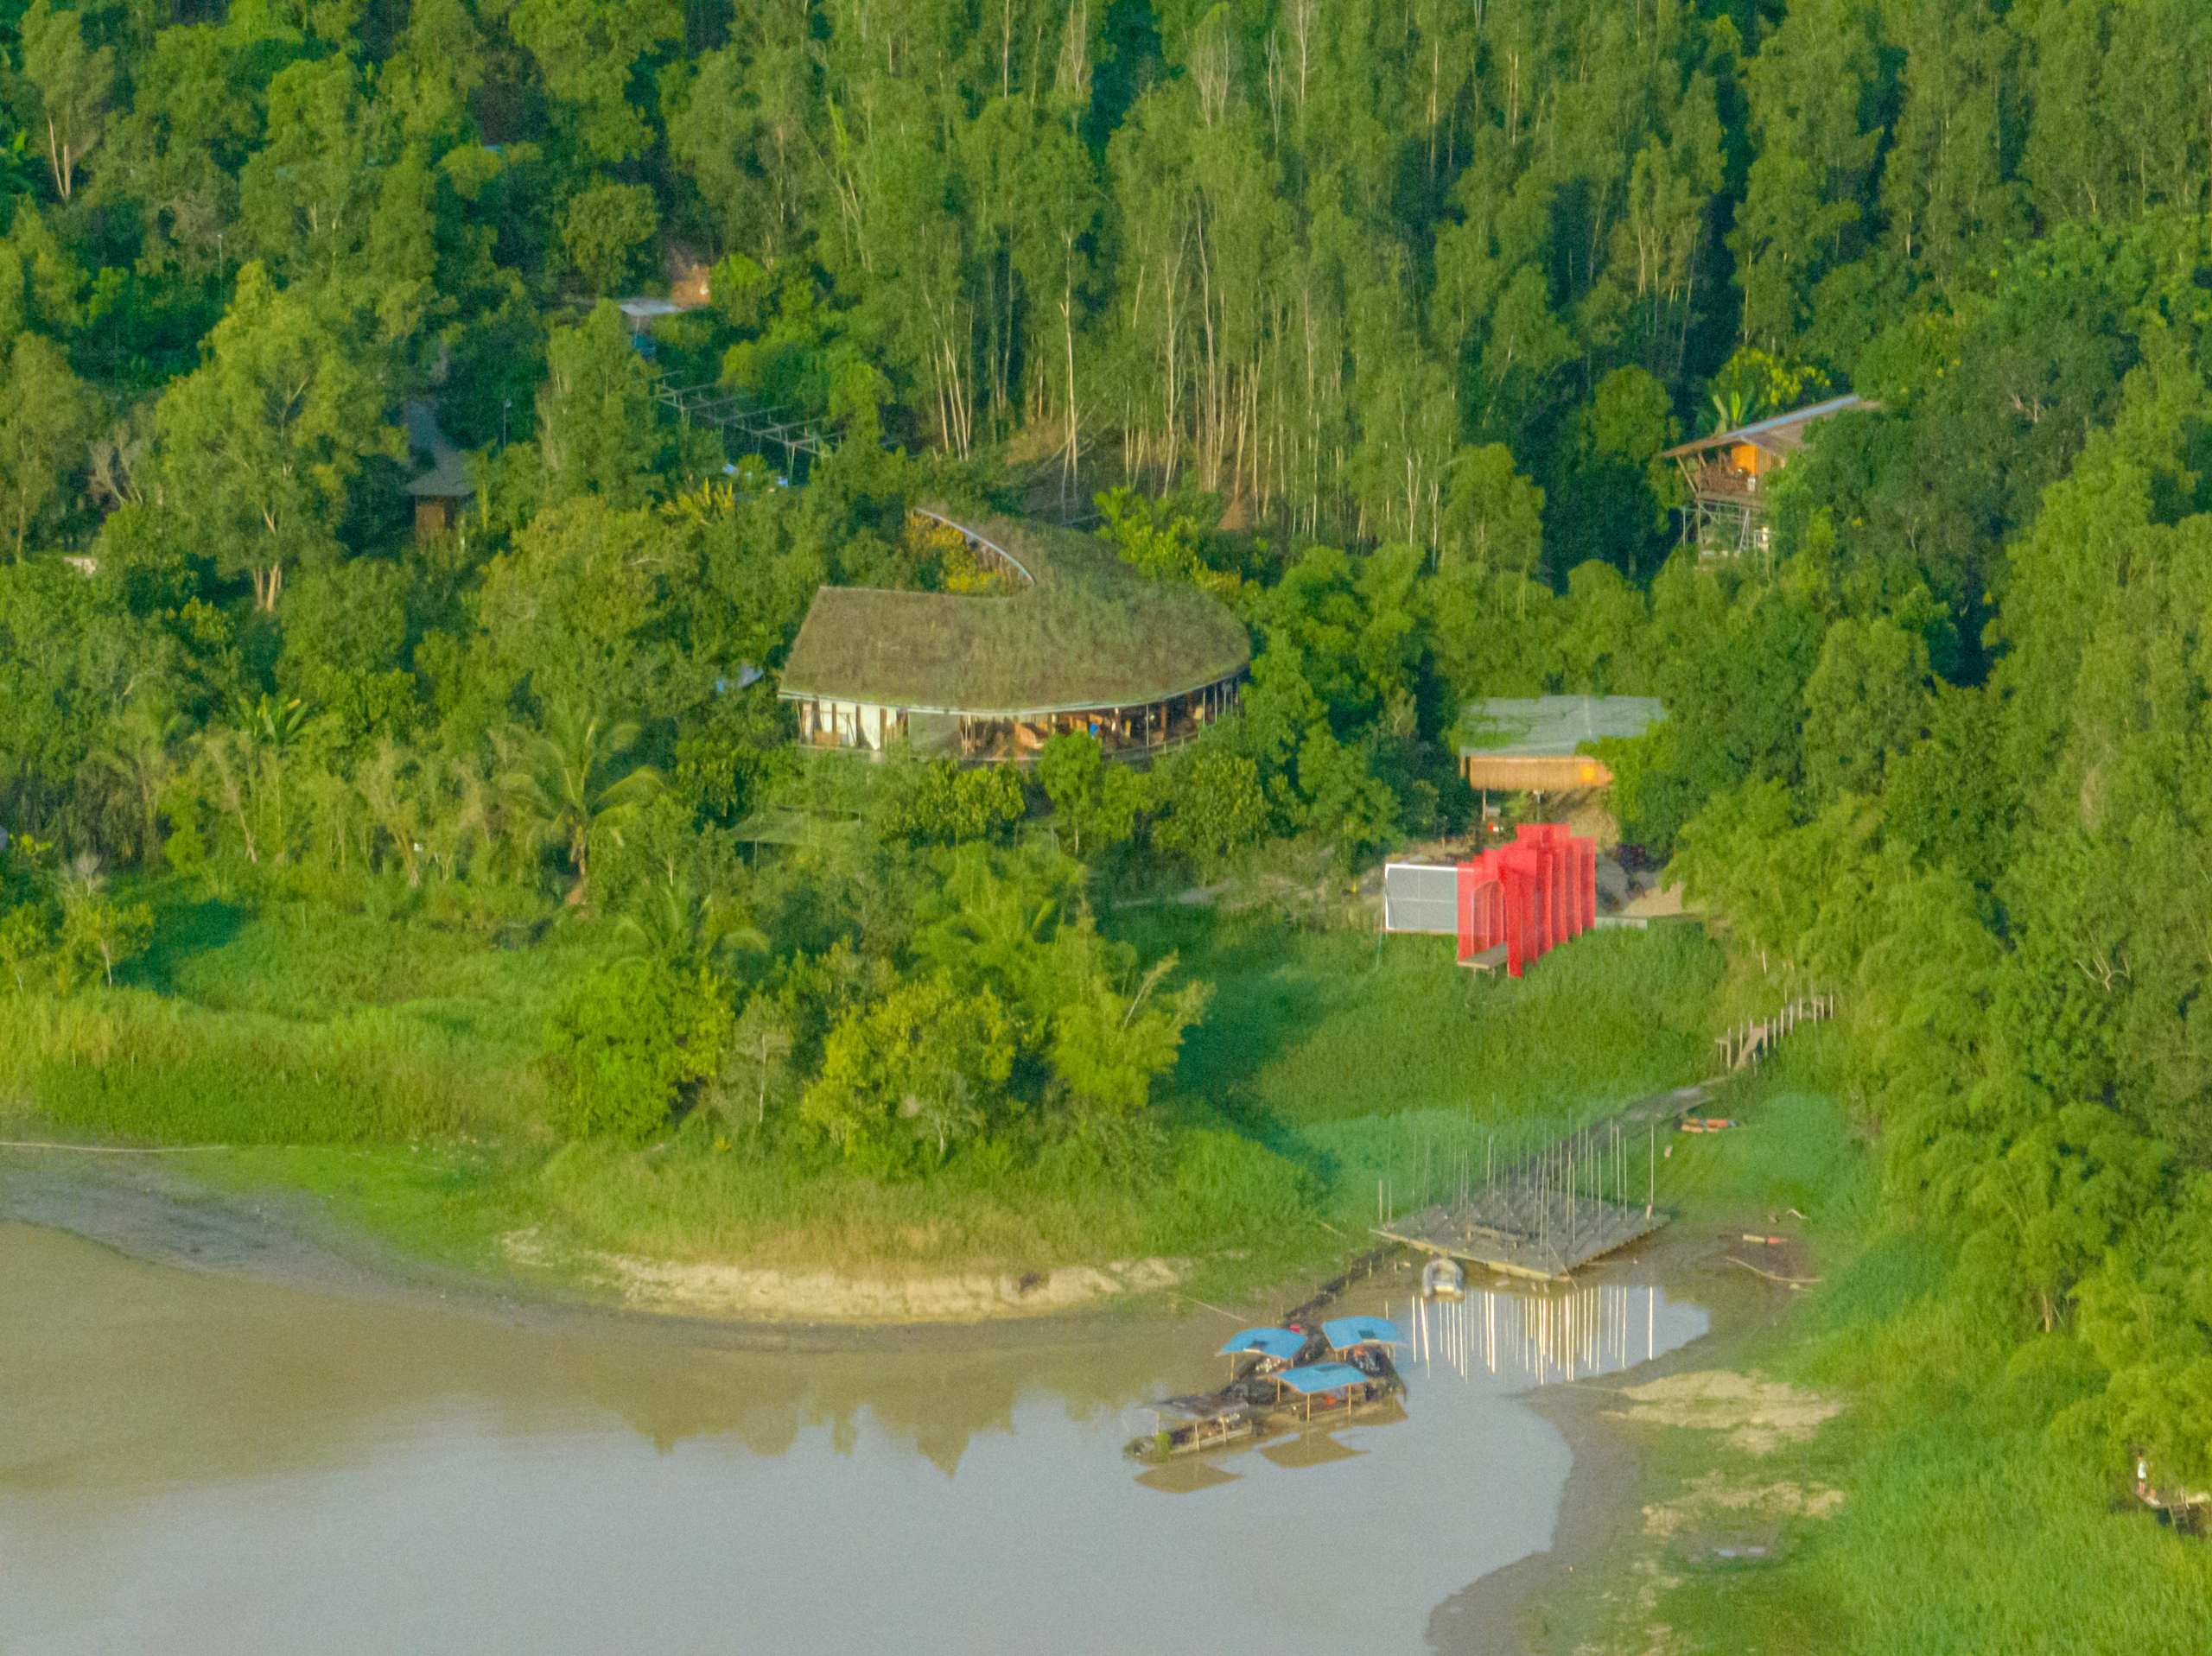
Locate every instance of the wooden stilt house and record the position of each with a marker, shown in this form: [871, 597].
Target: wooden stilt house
[1729, 472]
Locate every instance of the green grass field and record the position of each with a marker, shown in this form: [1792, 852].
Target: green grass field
[1397, 1064]
[385, 1064]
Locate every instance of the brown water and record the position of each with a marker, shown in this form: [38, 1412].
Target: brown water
[196, 1463]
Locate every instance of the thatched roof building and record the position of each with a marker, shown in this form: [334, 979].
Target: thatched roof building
[1082, 642]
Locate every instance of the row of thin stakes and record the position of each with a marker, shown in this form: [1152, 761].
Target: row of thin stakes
[1749, 1041]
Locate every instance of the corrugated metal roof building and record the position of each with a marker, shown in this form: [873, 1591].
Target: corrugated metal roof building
[1531, 743]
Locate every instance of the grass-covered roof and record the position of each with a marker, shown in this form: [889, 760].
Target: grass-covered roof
[1090, 632]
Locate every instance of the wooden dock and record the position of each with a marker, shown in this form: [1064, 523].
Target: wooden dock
[1573, 1202]
[1538, 1220]
[1515, 1231]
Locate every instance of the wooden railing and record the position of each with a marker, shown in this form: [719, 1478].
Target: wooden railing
[1749, 1041]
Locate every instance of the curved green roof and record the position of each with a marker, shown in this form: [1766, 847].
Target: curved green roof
[1089, 631]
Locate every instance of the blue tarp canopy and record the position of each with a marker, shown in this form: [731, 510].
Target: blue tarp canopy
[1322, 1377]
[1270, 1342]
[1349, 1331]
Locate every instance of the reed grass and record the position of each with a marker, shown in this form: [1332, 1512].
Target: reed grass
[1395, 1066]
[293, 1024]
[142, 1066]
[310, 963]
[691, 1201]
[1794, 1155]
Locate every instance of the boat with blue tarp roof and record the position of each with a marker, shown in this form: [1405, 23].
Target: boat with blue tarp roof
[1279, 1346]
[1364, 1342]
[1281, 1378]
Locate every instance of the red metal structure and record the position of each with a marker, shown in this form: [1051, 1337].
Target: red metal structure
[1530, 896]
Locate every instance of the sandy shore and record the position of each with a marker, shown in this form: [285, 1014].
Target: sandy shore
[151, 1207]
[756, 1295]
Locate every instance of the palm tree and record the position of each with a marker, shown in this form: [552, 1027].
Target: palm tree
[250, 761]
[674, 923]
[269, 722]
[1733, 410]
[144, 757]
[562, 792]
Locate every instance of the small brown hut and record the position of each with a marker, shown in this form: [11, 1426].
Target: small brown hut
[444, 489]
[1534, 745]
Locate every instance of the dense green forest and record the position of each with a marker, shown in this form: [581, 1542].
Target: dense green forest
[1372, 320]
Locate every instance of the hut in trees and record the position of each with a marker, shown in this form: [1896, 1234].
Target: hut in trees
[1529, 745]
[443, 489]
[1072, 639]
[1727, 474]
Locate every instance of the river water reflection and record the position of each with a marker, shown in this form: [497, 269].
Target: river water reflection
[191, 1462]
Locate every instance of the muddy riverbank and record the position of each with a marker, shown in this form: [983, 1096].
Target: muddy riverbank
[1530, 1602]
[161, 1208]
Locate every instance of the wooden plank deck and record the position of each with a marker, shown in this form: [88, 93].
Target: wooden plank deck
[1519, 1225]
[1510, 1229]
